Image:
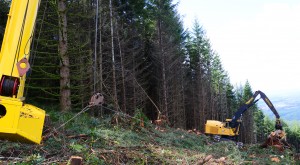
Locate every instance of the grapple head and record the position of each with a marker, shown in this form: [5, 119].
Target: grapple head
[278, 125]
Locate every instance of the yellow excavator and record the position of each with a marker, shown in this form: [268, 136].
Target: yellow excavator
[18, 121]
[231, 127]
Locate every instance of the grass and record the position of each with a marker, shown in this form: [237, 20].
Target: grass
[101, 142]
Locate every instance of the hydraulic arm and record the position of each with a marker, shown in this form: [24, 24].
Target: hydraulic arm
[18, 121]
[233, 123]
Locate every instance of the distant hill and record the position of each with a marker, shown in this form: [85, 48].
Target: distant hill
[288, 107]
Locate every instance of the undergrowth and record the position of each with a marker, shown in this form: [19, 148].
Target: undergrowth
[101, 141]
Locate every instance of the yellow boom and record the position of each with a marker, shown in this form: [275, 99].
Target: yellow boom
[18, 121]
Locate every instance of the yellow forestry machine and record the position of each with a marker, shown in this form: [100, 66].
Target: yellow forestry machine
[231, 127]
[18, 121]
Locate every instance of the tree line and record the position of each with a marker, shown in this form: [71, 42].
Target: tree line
[139, 56]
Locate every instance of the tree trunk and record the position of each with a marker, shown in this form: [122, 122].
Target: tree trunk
[123, 74]
[95, 49]
[114, 83]
[164, 81]
[65, 92]
[100, 56]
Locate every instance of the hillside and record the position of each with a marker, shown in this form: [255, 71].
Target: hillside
[102, 141]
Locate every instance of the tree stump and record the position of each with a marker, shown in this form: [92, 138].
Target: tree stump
[75, 160]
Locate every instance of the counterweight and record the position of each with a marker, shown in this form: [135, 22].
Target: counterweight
[18, 121]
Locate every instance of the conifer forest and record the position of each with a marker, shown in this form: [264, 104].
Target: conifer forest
[138, 54]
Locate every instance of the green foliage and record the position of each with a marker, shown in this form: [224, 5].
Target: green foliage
[153, 55]
[256, 154]
[293, 136]
[34, 159]
[93, 159]
[180, 139]
[149, 42]
[231, 100]
[139, 119]
[77, 147]
[259, 125]
[226, 149]
[292, 131]
[268, 125]
[110, 144]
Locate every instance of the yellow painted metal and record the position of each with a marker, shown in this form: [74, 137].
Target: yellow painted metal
[19, 121]
[220, 128]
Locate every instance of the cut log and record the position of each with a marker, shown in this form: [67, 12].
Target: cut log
[75, 160]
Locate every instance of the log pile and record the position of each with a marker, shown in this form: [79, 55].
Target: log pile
[276, 139]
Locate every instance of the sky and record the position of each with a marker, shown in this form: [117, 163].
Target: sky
[257, 40]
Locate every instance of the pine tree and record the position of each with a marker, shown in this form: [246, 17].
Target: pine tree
[166, 59]
[144, 60]
[248, 116]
